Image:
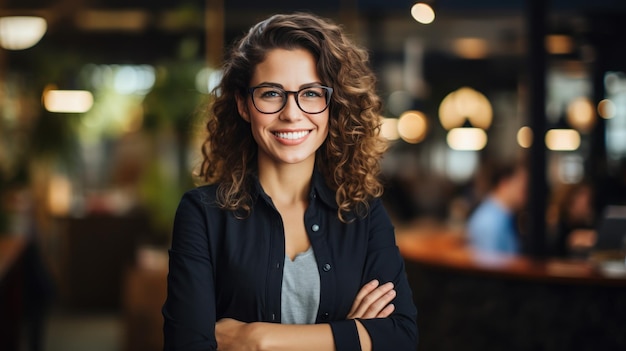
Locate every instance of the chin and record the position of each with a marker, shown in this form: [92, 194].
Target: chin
[294, 159]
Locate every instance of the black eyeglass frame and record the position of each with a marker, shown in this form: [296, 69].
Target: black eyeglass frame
[329, 93]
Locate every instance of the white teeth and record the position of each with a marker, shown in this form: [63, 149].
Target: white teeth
[292, 135]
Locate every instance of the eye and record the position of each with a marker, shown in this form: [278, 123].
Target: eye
[269, 93]
[312, 93]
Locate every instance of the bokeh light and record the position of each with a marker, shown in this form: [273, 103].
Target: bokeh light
[67, 101]
[467, 139]
[562, 140]
[21, 32]
[465, 104]
[581, 114]
[399, 101]
[470, 48]
[606, 109]
[412, 126]
[559, 44]
[525, 137]
[423, 13]
[389, 129]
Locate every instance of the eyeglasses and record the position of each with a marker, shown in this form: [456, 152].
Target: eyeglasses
[270, 99]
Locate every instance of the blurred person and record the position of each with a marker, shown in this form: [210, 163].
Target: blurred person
[572, 219]
[289, 248]
[492, 226]
[38, 288]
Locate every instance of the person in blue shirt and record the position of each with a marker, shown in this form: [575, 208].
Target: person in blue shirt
[492, 226]
[288, 246]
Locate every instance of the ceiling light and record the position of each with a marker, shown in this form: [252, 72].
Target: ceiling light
[67, 101]
[21, 32]
[467, 139]
[423, 13]
[562, 140]
[465, 104]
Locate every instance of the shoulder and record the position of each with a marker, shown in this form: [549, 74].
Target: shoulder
[205, 194]
[380, 228]
[487, 217]
[201, 200]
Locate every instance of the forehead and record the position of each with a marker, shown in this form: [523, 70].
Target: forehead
[289, 68]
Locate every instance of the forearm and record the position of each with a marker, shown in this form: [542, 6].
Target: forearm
[303, 337]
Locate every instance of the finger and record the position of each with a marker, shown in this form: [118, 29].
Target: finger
[379, 305]
[365, 290]
[387, 311]
[370, 303]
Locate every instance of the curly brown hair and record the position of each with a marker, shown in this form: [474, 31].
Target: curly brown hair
[348, 159]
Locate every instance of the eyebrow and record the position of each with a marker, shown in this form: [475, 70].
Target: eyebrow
[302, 86]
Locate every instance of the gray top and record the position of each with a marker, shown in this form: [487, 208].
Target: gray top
[300, 295]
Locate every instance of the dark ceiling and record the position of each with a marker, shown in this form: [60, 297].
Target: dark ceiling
[599, 22]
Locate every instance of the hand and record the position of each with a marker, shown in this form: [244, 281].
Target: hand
[233, 335]
[373, 301]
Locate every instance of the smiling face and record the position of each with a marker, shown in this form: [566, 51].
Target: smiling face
[289, 136]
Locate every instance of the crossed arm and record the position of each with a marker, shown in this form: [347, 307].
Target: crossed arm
[372, 301]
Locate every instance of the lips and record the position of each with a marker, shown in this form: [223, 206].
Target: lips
[295, 135]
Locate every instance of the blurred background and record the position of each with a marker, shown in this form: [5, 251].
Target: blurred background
[101, 120]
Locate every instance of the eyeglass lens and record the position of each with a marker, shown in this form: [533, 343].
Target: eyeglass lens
[269, 99]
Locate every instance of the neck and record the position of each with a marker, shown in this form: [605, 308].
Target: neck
[502, 200]
[286, 184]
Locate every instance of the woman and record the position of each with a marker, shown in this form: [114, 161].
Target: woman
[290, 247]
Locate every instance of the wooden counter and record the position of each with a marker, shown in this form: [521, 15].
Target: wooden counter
[448, 249]
[474, 302]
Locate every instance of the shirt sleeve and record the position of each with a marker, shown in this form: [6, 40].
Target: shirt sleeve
[384, 262]
[189, 310]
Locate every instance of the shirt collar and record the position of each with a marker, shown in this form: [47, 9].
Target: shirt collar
[323, 191]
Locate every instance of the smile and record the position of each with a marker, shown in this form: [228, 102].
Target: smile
[292, 135]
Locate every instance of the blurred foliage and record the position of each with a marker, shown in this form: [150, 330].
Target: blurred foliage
[170, 107]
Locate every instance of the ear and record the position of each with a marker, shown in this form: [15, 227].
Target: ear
[242, 108]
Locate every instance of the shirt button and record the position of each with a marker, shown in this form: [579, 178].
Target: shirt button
[327, 267]
[315, 227]
[325, 316]
[277, 265]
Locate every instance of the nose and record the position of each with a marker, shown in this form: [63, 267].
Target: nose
[291, 111]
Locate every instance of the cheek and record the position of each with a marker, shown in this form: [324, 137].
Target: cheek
[324, 125]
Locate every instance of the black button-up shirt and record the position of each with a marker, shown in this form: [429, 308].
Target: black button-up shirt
[222, 266]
